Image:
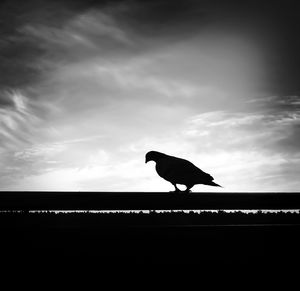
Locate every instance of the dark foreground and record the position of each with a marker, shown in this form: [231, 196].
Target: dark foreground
[159, 238]
[249, 242]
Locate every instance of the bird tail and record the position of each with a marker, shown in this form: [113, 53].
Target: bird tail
[214, 184]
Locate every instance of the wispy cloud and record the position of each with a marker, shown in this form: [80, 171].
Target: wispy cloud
[17, 121]
[88, 89]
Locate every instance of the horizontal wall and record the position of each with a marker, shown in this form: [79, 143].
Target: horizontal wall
[146, 201]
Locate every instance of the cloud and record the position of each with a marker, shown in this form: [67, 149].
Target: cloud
[17, 121]
[264, 130]
[88, 34]
[6, 100]
[20, 54]
[88, 88]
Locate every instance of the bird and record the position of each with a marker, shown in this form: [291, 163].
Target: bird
[179, 171]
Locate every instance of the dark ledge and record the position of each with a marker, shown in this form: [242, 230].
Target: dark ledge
[147, 200]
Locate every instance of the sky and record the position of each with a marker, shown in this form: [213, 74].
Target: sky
[87, 88]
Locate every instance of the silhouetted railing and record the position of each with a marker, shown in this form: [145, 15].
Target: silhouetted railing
[218, 238]
[146, 201]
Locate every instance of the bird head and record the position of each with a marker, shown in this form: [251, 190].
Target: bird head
[154, 156]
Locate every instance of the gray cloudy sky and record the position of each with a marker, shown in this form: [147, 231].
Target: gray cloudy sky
[88, 87]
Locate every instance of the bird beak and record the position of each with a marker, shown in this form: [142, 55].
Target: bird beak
[146, 161]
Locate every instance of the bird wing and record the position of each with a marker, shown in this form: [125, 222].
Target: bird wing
[181, 171]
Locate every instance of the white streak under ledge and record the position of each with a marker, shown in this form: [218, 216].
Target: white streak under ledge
[191, 211]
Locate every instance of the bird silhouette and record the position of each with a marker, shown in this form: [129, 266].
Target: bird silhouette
[179, 171]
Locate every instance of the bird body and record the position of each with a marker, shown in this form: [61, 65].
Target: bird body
[179, 171]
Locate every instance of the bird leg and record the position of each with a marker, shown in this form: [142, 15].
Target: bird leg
[176, 189]
[188, 189]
